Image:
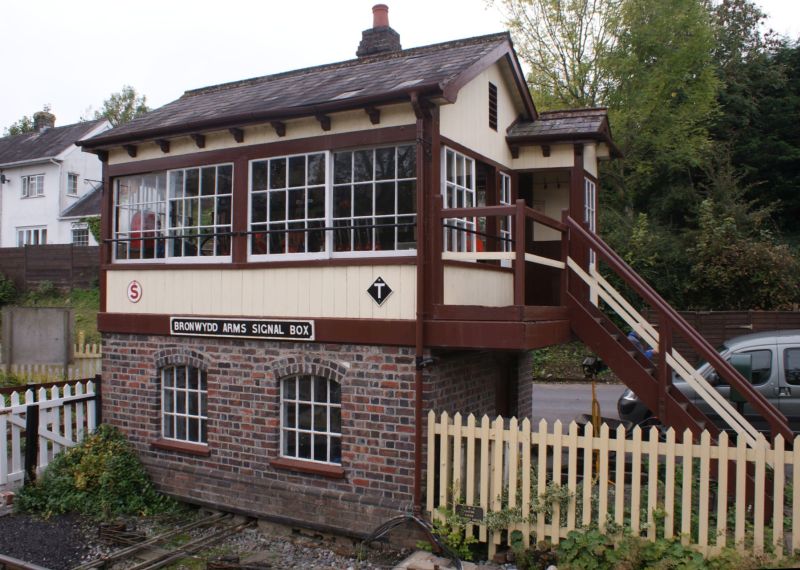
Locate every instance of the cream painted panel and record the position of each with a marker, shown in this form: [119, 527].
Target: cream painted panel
[467, 120]
[339, 292]
[555, 201]
[347, 121]
[590, 159]
[486, 287]
[561, 156]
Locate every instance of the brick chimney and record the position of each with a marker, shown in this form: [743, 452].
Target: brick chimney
[380, 38]
[43, 120]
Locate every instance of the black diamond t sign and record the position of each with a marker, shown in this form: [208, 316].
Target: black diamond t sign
[379, 291]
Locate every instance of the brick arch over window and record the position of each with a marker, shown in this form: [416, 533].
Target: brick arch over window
[303, 364]
[180, 356]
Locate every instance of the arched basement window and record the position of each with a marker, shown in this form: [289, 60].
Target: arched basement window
[184, 404]
[311, 419]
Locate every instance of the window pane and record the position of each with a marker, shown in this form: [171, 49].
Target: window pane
[336, 420]
[336, 450]
[320, 389]
[384, 198]
[384, 164]
[180, 377]
[194, 409]
[203, 431]
[180, 402]
[335, 393]
[406, 197]
[362, 237]
[320, 418]
[362, 200]
[792, 365]
[304, 416]
[316, 202]
[316, 169]
[194, 431]
[304, 383]
[316, 239]
[259, 175]
[224, 211]
[384, 236]
[277, 173]
[208, 182]
[362, 165]
[341, 201]
[259, 208]
[169, 425]
[406, 234]
[224, 179]
[180, 428]
[277, 206]
[277, 238]
[320, 448]
[289, 443]
[192, 182]
[297, 171]
[289, 388]
[176, 184]
[342, 167]
[289, 415]
[169, 400]
[304, 446]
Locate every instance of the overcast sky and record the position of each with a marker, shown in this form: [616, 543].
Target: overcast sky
[72, 54]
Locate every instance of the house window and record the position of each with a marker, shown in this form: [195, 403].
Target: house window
[311, 419]
[184, 404]
[492, 106]
[590, 213]
[368, 197]
[80, 236]
[31, 236]
[72, 184]
[200, 211]
[374, 198]
[505, 223]
[459, 192]
[192, 220]
[287, 199]
[33, 186]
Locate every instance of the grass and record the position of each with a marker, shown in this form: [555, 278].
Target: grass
[562, 362]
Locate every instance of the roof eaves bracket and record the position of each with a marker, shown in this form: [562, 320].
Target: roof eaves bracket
[163, 144]
[130, 149]
[199, 140]
[324, 121]
[237, 134]
[280, 128]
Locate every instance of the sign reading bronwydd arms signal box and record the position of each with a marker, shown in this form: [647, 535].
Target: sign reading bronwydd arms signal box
[242, 328]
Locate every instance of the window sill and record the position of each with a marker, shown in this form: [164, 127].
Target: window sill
[198, 449]
[322, 469]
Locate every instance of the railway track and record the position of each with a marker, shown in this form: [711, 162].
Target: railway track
[162, 549]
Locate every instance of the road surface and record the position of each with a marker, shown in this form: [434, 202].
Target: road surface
[565, 401]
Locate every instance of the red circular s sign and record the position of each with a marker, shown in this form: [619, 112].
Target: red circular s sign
[134, 291]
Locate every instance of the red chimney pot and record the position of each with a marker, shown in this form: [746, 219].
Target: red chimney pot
[380, 16]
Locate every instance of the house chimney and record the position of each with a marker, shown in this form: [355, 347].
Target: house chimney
[43, 120]
[380, 38]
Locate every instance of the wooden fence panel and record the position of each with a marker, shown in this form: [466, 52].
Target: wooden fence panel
[64, 265]
[651, 486]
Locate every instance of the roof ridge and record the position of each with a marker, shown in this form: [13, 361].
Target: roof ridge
[594, 110]
[346, 63]
[58, 128]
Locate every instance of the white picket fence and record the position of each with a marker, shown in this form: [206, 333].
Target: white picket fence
[65, 414]
[549, 483]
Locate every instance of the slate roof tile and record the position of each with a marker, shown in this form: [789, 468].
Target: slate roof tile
[46, 144]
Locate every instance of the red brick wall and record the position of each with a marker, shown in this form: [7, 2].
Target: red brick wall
[524, 384]
[464, 382]
[243, 432]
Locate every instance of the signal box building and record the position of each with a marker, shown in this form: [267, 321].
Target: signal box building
[297, 267]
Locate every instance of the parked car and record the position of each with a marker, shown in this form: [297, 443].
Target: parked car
[776, 375]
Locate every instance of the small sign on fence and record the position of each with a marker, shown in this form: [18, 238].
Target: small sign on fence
[469, 512]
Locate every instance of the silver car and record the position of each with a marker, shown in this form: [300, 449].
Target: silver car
[776, 374]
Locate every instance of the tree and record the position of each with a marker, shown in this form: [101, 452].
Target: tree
[663, 99]
[123, 107]
[565, 44]
[24, 125]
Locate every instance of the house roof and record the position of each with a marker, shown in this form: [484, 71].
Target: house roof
[41, 145]
[434, 70]
[88, 204]
[564, 125]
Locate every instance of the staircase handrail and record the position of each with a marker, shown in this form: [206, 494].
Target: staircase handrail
[509, 210]
[776, 420]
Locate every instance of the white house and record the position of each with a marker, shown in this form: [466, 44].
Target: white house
[47, 183]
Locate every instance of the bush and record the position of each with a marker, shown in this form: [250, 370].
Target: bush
[101, 477]
[8, 292]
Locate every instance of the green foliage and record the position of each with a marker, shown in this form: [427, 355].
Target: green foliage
[123, 107]
[452, 530]
[737, 269]
[24, 125]
[8, 291]
[94, 223]
[101, 477]
[565, 43]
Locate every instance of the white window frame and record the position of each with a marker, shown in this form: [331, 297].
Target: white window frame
[72, 183]
[453, 193]
[162, 212]
[173, 415]
[504, 199]
[80, 227]
[33, 186]
[295, 431]
[31, 235]
[590, 212]
[328, 252]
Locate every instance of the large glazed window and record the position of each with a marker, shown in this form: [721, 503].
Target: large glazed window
[182, 213]
[184, 404]
[374, 199]
[287, 200]
[200, 211]
[311, 419]
[459, 192]
[140, 216]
